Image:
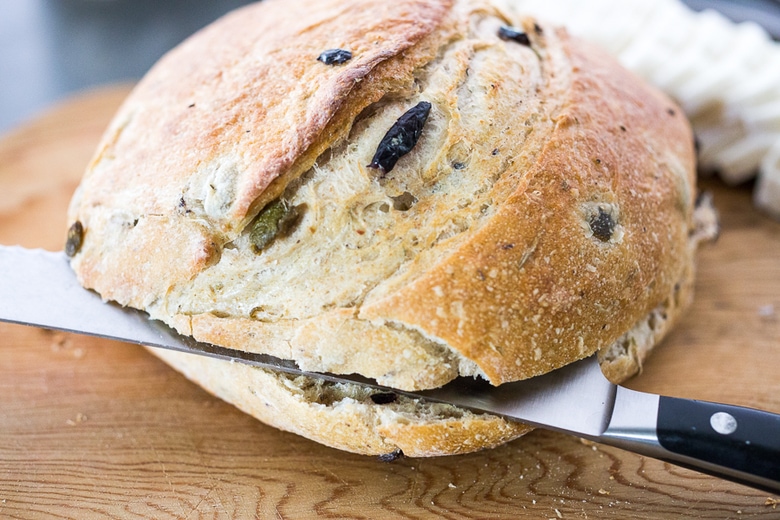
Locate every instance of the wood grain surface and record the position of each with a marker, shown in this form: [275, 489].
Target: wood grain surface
[96, 429]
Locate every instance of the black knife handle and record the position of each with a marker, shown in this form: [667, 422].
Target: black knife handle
[743, 441]
[730, 442]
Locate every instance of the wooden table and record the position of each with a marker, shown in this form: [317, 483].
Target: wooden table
[92, 429]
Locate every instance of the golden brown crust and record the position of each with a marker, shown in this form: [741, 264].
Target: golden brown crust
[551, 205]
[534, 289]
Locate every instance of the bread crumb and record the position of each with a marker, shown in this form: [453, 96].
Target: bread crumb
[80, 418]
[452, 486]
[558, 513]
[771, 502]
[603, 491]
[767, 312]
[61, 342]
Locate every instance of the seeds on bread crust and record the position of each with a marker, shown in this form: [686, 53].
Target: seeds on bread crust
[277, 218]
[384, 398]
[401, 138]
[335, 56]
[511, 34]
[390, 457]
[75, 239]
[602, 225]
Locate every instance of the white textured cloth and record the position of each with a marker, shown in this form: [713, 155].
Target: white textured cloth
[726, 76]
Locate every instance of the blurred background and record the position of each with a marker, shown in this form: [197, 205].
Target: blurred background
[50, 49]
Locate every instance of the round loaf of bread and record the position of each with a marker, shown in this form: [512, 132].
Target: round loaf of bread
[412, 190]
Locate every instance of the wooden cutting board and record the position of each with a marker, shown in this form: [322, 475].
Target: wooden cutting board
[91, 428]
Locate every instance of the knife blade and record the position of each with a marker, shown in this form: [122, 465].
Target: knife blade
[38, 288]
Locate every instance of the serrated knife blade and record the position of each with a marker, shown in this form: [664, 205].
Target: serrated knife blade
[39, 288]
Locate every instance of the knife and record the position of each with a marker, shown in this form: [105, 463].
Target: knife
[39, 288]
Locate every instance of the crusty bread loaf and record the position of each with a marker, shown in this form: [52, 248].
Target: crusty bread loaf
[534, 204]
